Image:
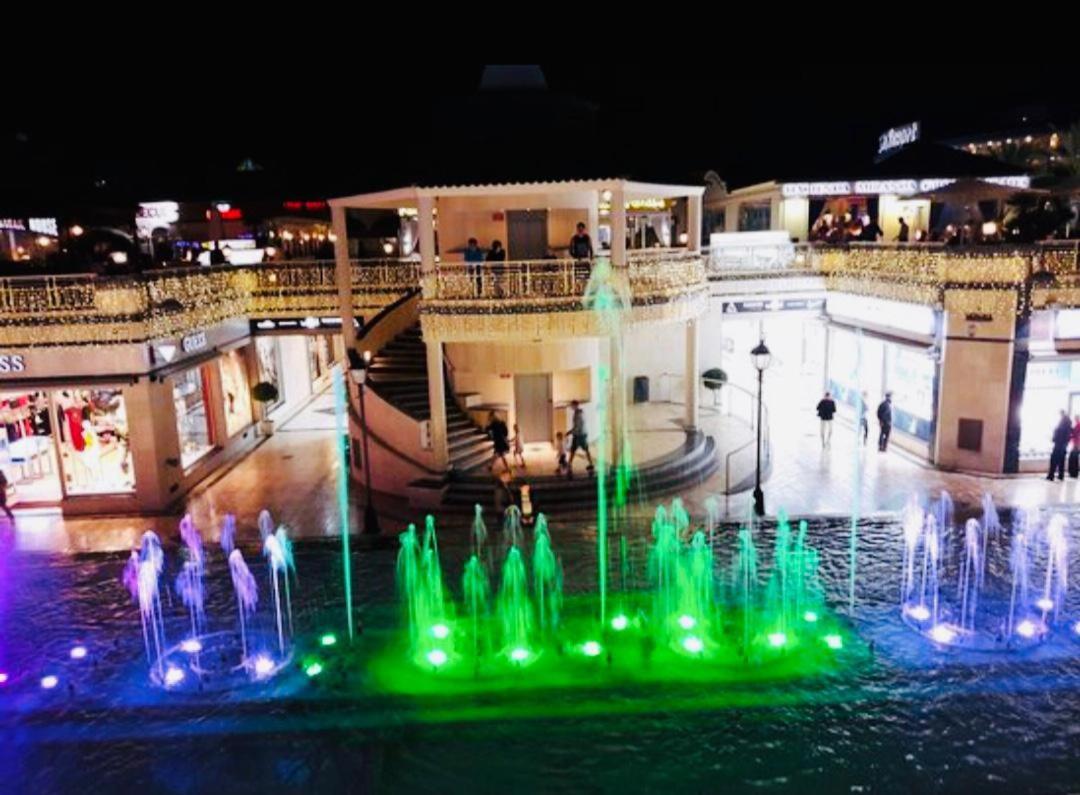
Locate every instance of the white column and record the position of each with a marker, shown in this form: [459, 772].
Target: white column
[425, 207]
[731, 216]
[618, 228]
[693, 223]
[343, 275]
[437, 404]
[692, 376]
[593, 220]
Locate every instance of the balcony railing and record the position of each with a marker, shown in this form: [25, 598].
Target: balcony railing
[552, 281]
[86, 308]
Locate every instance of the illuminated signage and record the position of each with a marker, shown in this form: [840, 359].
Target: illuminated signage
[874, 187]
[299, 324]
[193, 342]
[14, 363]
[43, 226]
[897, 137]
[307, 206]
[774, 305]
[153, 215]
[913, 318]
[14, 224]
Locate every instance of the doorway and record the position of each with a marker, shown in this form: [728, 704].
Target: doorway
[532, 407]
[526, 234]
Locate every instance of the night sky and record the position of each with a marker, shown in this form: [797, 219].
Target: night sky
[401, 124]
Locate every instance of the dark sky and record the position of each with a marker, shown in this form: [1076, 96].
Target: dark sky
[401, 123]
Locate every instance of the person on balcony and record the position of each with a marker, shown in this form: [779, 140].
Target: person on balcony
[581, 244]
[474, 264]
[497, 254]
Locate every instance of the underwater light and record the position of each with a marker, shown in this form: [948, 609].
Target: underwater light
[49, 682]
[436, 657]
[191, 646]
[919, 612]
[329, 639]
[810, 617]
[263, 665]
[1045, 604]
[619, 623]
[590, 648]
[313, 669]
[777, 639]
[687, 622]
[1076, 627]
[693, 644]
[942, 634]
[78, 652]
[1026, 628]
[173, 676]
[3, 678]
[440, 631]
[834, 642]
[519, 654]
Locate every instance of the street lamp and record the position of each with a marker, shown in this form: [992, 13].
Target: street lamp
[358, 368]
[761, 358]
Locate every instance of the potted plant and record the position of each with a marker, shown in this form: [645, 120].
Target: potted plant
[265, 393]
[714, 379]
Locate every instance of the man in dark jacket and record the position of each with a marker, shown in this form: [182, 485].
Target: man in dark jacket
[826, 410]
[581, 244]
[884, 418]
[1062, 435]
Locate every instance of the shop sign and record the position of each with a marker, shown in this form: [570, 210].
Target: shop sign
[774, 305]
[43, 226]
[13, 224]
[12, 363]
[897, 137]
[193, 342]
[298, 323]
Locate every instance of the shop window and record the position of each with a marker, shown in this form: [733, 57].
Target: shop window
[755, 217]
[235, 392]
[94, 444]
[191, 396]
[1048, 388]
[320, 357]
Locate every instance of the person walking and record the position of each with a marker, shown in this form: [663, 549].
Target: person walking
[864, 424]
[826, 410]
[1060, 439]
[499, 434]
[884, 418]
[4, 496]
[904, 233]
[579, 439]
[474, 264]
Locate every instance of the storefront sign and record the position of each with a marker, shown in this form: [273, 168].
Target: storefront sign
[897, 137]
[775, 305]
[12, 363]
[43, 226]
[13, 224]
[876, 187]
[299, 324]
[193, 342]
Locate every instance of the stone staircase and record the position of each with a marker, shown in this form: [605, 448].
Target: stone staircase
[398, 374]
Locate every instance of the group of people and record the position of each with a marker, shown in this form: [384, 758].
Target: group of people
[1066, 432]
[566, 445]
[826, 411]
[580, 248]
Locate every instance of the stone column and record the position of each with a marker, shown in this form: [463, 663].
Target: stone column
[692, 377]
[437, 404]
[618, 228]
[343, 275]
[426, 220]
[693, 223]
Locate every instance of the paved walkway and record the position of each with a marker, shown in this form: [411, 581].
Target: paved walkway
[294, 475]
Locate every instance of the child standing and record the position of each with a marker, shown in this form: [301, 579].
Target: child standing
[519, 448]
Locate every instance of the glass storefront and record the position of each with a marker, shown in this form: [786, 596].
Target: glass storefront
[1048, 388]
[191, 396]
[268, 357]
[320, 356]
[65, 442]
[861, 363]
[235, 392]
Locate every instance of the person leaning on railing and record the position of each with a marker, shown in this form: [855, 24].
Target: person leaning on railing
[581, 244]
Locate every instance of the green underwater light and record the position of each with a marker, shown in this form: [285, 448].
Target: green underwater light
[810, 617]
[591, 648]
[436, 657]
[329, 639]
[693, 644]
[687, 622]
[619, 623]
[519, 655]
[777, 639]
[440, 631]
[834, 642]
[313, 669]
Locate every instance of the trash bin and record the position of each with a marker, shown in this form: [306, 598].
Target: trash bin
[641, 389]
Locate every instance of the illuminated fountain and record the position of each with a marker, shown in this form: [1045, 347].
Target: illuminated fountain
[206, 658]
[976, 615]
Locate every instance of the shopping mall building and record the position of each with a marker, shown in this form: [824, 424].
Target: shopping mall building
[121, 393]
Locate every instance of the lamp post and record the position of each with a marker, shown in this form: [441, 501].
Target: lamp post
[358, 371]
[761, 358]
